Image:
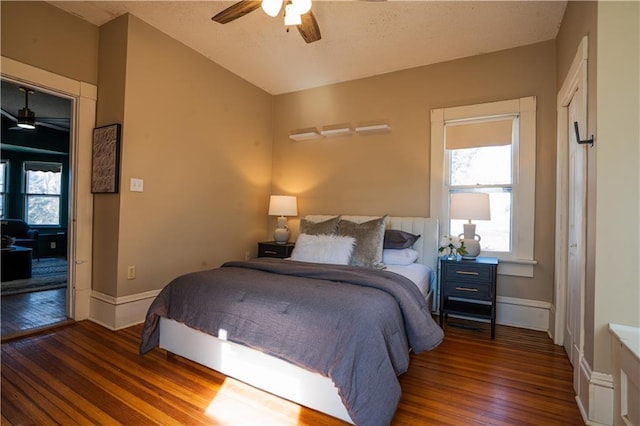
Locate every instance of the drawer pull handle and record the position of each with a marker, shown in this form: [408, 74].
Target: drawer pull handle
[467, 273]
[473, 290]
[270, 252]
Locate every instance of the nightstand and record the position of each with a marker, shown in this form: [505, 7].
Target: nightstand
[273, 249]
[468, 288]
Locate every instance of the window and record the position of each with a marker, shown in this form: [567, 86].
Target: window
[479, 158]
[43, 183]
[3, 187]
[489, 148]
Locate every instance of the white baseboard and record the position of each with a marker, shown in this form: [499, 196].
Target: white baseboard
[523, 313]
[116, 313]
[595, 401]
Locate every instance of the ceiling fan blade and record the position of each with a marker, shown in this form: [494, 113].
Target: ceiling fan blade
[236, 11]
[309, 29]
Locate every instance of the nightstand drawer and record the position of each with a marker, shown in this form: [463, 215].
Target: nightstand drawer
[273, 249]
[468, 290]
[468, 272]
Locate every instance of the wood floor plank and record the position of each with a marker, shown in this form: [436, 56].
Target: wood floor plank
[86, 374]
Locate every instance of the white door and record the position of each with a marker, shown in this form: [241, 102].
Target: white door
[573, 333]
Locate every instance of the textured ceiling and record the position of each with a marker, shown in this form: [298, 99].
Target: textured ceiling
[359, 38]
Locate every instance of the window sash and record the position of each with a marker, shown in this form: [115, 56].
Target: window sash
[49, 218]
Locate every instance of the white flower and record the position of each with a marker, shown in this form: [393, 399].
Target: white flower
[452, 244]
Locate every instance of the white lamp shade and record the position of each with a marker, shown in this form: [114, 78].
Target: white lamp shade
[283, 205]
[470, 206]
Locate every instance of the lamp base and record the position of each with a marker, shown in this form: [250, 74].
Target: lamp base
[281, 234]
[470, 242]
[473, 248]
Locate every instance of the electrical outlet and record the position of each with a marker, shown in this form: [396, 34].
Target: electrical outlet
[131, 272]
[247, 255]
[52, 244]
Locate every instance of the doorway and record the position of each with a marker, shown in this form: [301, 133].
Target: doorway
[35, 175]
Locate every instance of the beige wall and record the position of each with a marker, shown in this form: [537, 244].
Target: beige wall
[38, 34]
[112, 62]
[390, 173]
[200, 137]
[580, 19]
[617, 281]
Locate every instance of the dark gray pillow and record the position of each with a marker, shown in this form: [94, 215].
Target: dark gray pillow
[396, 239]
[328, 227]
[369, 239]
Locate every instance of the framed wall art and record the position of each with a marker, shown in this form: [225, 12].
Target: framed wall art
[105, 167]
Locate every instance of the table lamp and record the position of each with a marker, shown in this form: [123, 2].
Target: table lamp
[470, 206]
[282, 206]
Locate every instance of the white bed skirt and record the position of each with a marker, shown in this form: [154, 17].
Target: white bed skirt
[253, 367]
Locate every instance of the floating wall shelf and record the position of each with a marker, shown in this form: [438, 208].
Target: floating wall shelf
[304, 136]
[377, 128]
[343, 131]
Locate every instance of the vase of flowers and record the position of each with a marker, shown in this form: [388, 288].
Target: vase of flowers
[451, 246]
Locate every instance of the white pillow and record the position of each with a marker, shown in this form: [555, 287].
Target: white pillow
[333, 249]
[399, 257]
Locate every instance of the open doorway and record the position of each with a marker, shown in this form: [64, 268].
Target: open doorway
[35, 173]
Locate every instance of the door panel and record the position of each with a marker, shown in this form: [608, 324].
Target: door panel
[573, 342]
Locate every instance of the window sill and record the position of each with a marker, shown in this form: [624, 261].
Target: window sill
[516, 267]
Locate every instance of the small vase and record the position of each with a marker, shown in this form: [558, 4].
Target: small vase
[452, 256]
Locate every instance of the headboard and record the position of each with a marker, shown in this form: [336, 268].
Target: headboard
[426, 227]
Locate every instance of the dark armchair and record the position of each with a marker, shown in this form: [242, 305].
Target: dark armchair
[23, 235]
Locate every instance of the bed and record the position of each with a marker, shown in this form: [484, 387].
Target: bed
[371, 318]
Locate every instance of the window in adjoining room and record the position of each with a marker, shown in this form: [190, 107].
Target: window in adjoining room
[3, 187]
[489, 148]
[43, 184]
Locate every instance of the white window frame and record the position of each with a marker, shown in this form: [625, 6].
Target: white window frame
[28, 195]
[520, 261]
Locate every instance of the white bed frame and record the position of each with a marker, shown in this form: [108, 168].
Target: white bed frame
[272, 374]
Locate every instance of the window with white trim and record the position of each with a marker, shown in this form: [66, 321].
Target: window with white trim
[489, 148]
[43, 184]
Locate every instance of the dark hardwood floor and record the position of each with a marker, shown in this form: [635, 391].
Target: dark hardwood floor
[26, 313]
[86, 374]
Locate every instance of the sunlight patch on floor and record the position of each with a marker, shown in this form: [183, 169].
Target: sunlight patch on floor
[239, 404]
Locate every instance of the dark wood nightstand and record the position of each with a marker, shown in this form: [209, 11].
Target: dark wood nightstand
[273, 249]
[468, 288]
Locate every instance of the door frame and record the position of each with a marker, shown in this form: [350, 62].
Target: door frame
[576, 77]
[80, 223]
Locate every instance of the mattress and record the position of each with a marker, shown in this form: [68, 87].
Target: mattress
[421, 275]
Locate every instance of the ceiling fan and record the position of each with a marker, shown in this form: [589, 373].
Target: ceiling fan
[25, 119]
[296, 12]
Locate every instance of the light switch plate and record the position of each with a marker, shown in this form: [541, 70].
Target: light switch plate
[136, 185]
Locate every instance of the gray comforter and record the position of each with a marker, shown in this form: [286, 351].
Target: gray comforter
[353, 325]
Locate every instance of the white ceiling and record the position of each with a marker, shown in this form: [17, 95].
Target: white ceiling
[359, 38]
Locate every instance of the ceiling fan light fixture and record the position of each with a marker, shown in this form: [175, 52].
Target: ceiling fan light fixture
[271, 7]
[291, 17]
[301, 6]
[26, 117]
